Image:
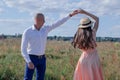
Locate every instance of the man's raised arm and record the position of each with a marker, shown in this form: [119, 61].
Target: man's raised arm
[61, 21]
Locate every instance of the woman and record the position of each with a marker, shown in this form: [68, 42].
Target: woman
[88, 66]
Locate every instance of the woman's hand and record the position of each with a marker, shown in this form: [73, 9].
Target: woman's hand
[74, 13]
[81, 11]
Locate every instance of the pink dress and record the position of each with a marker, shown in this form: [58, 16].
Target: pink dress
[88, 66]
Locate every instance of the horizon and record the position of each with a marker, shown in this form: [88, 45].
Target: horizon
[54, 36]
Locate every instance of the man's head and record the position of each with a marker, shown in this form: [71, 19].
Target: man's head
[39, 20]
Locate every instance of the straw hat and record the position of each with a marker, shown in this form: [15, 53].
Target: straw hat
[85, 23]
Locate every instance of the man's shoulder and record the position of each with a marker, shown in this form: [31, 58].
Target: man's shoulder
[27, 30]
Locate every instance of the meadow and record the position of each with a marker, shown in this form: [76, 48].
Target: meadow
[61, 60]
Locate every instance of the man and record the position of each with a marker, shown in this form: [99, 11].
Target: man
[33, 45]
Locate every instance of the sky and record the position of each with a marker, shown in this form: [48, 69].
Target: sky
[17, 15]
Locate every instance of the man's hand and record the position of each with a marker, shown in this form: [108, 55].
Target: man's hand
[74, 13]
[30, 65]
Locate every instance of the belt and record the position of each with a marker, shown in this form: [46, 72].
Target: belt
[38, 56]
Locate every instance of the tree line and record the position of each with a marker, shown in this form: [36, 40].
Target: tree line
[62, 38]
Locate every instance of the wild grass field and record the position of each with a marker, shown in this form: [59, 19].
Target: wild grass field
[61, 60]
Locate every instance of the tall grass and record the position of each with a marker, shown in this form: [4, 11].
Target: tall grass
[61, 60]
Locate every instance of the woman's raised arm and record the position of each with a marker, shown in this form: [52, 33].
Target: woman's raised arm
[96, 24]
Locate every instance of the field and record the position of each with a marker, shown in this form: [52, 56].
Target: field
[61, 60]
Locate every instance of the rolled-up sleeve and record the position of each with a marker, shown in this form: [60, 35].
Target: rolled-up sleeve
[57, 24]
[24, 44]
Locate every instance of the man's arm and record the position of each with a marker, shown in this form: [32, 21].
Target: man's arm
[57, 24]
[61, 21]
[24, 44]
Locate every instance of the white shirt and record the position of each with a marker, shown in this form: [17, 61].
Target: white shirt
[34, 41]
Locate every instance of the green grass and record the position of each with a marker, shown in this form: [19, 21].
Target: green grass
[61, 60]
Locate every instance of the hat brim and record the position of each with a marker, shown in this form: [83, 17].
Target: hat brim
[86, 26]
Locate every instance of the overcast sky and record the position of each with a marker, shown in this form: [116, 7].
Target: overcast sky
[17, 15]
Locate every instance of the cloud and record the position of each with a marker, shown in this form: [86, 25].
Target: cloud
[104, 7]
[36, 5]
[54, 9]
[1, 10]
[12, 26]
[14, 20]
[1, 7]
[112, 31]
[115, 30]
[14, 23]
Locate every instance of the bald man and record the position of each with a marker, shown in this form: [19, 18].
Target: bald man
[33, 45]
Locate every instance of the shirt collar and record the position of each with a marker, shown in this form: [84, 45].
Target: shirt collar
[33, 27]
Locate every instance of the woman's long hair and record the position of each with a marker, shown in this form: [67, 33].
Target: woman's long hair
[83, 39]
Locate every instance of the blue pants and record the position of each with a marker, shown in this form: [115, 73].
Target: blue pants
[40, 67]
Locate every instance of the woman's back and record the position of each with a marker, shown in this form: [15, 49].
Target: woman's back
[85, 39]
[88, 66]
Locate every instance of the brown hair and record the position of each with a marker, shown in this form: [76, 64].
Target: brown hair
[83, 39]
